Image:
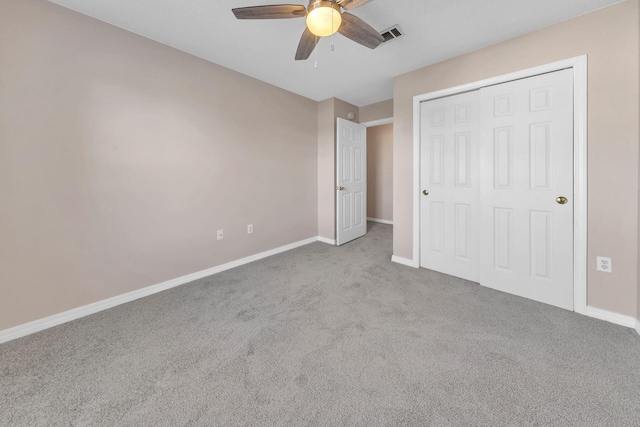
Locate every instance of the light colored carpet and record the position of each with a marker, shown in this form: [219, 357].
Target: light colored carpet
[323, 335]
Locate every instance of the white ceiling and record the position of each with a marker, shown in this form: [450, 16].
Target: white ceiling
[434, 30]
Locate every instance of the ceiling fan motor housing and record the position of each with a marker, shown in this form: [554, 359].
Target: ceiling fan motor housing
[323, 17]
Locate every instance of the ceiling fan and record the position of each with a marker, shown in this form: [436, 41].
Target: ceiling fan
[324, 18]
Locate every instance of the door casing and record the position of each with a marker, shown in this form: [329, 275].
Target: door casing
[579, 67]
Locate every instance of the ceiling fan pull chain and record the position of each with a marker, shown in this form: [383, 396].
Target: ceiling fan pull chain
[333, 33]
[316, 53]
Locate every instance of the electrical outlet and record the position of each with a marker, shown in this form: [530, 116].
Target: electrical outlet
[220, 234]
[249, 228]
[603, 264]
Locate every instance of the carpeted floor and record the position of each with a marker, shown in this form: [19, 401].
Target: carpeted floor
[325, 335]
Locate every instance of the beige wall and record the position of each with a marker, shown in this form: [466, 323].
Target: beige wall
[326, 169]
[328, 111]
[121, 157]
[380, 172]
[610, 39]
[377, 111]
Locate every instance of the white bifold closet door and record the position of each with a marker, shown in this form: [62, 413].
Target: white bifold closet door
[527, 188]
[450, 174]
[497, 170]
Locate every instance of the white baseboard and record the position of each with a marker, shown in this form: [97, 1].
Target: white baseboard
[76, 313]
[609, 316]
[404, 261]
[325, 240]
[381, 221]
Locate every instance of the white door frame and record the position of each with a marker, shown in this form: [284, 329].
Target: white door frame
[380, 122]
[579, 66]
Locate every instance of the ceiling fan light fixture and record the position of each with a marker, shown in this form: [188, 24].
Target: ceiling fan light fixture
[323, 18]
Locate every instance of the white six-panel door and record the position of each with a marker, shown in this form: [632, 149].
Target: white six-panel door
[351, 170]
[527, 226]
[450, 172]
[522, 221]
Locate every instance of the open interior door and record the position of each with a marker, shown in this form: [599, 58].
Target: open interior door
[351, 181]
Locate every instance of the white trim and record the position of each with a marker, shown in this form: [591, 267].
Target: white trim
[610, 316]
[76, 313]
[328, 241]
[637, 326]
[404, 261]
[580, 184]
[417, 100]
[381, 221]
[579, 66]
[379, 122]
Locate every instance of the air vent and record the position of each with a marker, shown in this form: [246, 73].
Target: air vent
[391, 33]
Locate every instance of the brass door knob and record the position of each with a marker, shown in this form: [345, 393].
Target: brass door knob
[341, 188]
[561, 200]
[425, 192]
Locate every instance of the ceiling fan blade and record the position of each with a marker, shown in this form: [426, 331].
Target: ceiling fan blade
[308, 42]
[352, 4]
[276, 11]
[359, 31]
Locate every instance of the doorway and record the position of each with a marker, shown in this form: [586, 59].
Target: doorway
[364, 176]
[380, 173]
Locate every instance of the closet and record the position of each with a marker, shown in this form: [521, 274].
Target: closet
[496, 182]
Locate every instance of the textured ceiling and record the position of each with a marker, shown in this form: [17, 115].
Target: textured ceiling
[434, 30]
